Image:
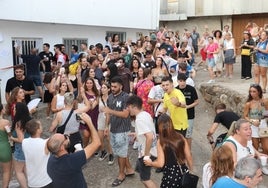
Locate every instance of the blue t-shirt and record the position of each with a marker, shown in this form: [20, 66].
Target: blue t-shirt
[74, 58]
[225, 181]
[66, 171]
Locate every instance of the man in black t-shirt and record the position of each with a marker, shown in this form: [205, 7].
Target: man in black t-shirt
[46, 58]
[191, 98]
[20, 81]
[226, 118]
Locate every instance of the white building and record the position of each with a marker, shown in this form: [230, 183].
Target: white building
[34, 22]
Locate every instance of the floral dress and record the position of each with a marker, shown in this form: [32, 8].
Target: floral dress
[143, 89]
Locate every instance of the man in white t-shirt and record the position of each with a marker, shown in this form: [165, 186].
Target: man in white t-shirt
[36, 156]
[145, 132]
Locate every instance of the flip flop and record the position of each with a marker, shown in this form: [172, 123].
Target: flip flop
[128, 175]
[117, 182]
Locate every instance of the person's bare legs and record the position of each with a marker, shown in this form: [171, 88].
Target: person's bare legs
[149, 184]
[122, 167]
[129, 169]
[231, 70]
[211, 73]
[189, 141]
[40, 91]
[263, 71]
[19, 168]
[257, 74]
[264, 143]
[6, 173]
[227, 70]
[255, 143]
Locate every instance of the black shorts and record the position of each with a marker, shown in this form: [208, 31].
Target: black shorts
[145, 171]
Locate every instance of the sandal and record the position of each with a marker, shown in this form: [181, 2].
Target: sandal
[117, 182]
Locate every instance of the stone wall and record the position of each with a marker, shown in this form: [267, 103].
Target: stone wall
[215, 94]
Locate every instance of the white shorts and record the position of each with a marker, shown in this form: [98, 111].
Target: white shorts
[255, 130]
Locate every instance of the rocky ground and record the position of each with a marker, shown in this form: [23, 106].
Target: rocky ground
[101, 175]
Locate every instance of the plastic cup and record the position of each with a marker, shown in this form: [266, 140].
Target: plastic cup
[263, 160]
[78, 147]
[145, 158]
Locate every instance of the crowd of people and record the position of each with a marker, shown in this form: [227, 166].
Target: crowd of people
[94, 96]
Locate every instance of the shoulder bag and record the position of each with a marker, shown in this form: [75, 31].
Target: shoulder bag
[136, 88]
[61, 128]
[188, 180]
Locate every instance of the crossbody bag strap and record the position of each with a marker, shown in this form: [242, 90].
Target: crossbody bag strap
[66, 121]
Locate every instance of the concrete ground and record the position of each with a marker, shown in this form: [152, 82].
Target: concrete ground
[101, 175]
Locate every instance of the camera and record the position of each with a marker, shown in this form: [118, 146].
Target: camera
[78, 117]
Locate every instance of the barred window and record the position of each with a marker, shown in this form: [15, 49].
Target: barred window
[68, 42]
[122, 35]
[25, 44]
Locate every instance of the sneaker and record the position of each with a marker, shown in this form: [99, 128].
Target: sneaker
[96, 154]
[103, 155]
[111, 159]
[135, 145]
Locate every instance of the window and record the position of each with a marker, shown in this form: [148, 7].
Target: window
[122, 35]
[25, 44]
[68, 42]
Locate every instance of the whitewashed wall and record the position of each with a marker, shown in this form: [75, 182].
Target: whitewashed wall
[111, 13]
[50, 33]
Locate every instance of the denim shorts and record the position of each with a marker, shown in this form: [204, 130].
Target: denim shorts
[262, 62]
[190, 128]
[36, 79]
[119, 143]
[211, 62]
[18, 153]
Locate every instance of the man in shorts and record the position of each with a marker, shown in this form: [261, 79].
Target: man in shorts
[175, 103]
[145, 132]
[117, 116]
[191, 101]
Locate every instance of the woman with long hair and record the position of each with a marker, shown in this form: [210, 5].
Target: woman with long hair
[254, 111]
[211, 49]
[260, 67]
[57, 103]
[22, 116]
[160, 71]
[17, 95]
[221, 164]
[246, 64]
[143, 88]
[48, 94]
[5, 154]
[218, 57]
[90, 73]
[92, 95]
[105, 89]
[229, 54]
[173, 154]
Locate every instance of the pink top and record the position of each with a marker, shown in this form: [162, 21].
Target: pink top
[211, 48]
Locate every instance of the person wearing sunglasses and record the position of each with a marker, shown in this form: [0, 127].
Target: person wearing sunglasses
[65, 169]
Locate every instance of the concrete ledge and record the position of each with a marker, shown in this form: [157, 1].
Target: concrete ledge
[215, 94]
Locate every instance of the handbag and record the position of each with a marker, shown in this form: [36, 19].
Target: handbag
[245, 52]
[188, 180]
[61, 128]
[263, 132]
